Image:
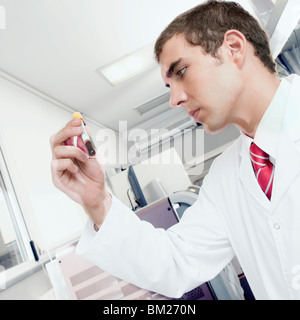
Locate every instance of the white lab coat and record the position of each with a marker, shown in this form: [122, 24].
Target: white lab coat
[231, 217]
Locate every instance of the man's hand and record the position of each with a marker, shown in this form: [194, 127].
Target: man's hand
[77, 175]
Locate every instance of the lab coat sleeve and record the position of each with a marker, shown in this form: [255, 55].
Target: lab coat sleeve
[168, 262]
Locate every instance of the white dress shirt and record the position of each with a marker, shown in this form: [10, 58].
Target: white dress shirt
[232, 216]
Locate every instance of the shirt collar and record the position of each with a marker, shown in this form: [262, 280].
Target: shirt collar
[269, 128]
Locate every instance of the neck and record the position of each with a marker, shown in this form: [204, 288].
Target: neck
[254, 100]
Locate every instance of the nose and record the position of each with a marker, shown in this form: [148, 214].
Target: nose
[177, 97]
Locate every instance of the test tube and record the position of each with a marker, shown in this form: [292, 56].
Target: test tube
[85, 137]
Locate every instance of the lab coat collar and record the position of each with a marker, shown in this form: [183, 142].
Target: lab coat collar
[269, 129]
[286, 133]
[288, 163]
[286, 171]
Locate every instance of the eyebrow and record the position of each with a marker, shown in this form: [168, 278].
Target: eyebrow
[172, 67]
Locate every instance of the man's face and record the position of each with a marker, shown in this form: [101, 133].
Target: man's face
[206, 87]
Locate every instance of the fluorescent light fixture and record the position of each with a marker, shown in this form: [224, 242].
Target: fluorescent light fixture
[153, 104]
[129, 65]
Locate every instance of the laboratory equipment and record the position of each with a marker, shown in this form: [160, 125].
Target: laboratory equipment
[79, 279]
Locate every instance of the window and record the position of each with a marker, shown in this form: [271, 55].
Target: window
[9, 249]
[12, 237]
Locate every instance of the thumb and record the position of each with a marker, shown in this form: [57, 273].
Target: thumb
[80, 144]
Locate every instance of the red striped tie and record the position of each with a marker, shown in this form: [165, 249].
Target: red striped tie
[263, 168]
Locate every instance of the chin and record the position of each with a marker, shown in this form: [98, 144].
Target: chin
[212, 130]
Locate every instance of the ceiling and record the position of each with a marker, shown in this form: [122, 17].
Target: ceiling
[55, 46]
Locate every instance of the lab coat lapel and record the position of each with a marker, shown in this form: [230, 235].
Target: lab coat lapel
[288, 161]
[287, 168]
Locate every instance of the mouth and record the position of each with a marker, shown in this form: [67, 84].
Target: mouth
[193, 113]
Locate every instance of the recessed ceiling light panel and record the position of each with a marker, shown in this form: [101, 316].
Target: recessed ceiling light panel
[128, 66]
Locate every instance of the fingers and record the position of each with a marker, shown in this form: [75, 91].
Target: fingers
[72, 129]
[65, 137]
[80, 144]
[64, 161]
[60, 166]
[65, 156]
[69, 152]
[67, 134]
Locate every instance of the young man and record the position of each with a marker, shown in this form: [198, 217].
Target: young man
[216, 61]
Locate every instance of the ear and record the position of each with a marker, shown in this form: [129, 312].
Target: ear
[236, 44]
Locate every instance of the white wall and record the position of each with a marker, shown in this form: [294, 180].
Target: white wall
[193, 144]
[26, 123]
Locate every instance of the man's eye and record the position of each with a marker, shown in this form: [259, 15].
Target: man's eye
[181, 72]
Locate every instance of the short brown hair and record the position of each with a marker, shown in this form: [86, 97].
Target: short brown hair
[206, 24]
